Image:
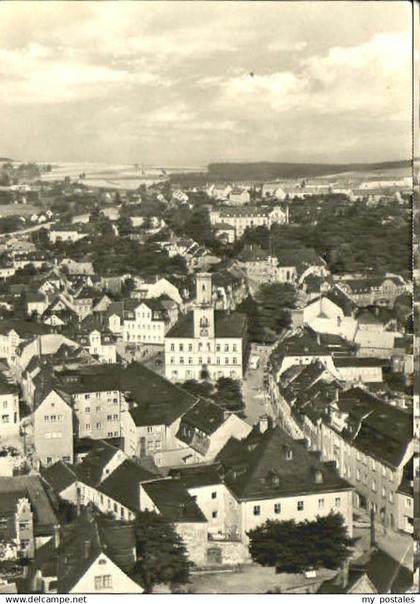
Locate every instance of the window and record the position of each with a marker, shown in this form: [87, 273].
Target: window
[87, 396]
[226, 361]
[214, 514]
[66, 458]
[4, 404]
[214, 495]
[5, 419]
[87, 426]
[321, 503]
[226, 347]
[277, 508]
[190, 347]
[23, 526]
[338, 502]
[217, 347]
[109, 417]
[46, 418]
[98, 425]
[407, 501]
[234, 347]
[87, 409]
[300, 506]
[181, 347]
[172, 348]
[234, 361]
[257, 510]
[217, 360]
[103, 582]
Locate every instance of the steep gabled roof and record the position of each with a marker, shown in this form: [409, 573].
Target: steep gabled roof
[81, 542]
[226, 325]
[272, 464]
[122, 484]
[173, 501]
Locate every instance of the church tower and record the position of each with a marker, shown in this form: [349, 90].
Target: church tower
[203, 308]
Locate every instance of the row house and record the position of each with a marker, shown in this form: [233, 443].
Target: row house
[242, 218]
[9, 407]
[104, 478]
[93, 554]
[27, 516]
[370, 442]
[382, 291]
[66, 233]
[301, 348]
[175, 428]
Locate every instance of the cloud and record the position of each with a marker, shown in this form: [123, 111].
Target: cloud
[35, 74]
[372, 77]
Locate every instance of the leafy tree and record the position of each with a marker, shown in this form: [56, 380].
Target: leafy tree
[203, 389]
[161, 554]
[269, 313]
[229, 395]
[124, 225]
[296, 547]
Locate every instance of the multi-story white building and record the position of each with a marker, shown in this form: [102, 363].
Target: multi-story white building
[242, 218]
[149, 321]
[206, 343]
[9, 407]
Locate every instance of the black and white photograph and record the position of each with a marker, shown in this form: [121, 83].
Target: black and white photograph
[209, 319]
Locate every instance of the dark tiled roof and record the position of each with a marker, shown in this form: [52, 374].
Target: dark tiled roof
[25, 329]
[7, 387]
[358, 362]
[44, 513]
[205, 415]
[225, 325]
[173, 501]
[80, 544]
[122, 484]
[272, 464]
[91, 467]
[195, 476]
[385, 431]
[59, 476]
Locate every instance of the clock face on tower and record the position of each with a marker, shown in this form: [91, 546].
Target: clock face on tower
[204, 331]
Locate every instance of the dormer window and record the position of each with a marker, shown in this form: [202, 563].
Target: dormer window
[289, 454]
[319, 479]
[275, 480]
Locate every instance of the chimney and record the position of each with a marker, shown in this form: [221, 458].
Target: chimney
[263, 423]
[56, 536]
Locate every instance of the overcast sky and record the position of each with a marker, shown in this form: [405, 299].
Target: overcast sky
[170, 82]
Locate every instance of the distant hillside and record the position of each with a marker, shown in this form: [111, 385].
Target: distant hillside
[6, 159]
[274, 170]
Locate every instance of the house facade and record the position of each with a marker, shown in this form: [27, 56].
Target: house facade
[205, 341]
